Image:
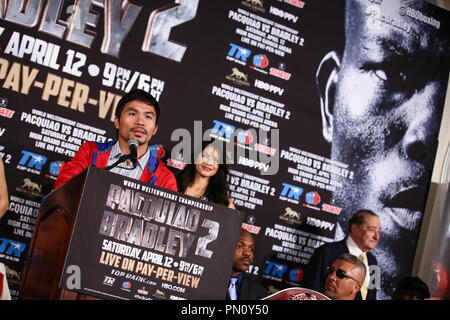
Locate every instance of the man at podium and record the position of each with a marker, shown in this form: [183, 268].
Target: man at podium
[136, 121]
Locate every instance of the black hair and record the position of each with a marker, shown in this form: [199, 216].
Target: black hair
[411, 286]
[137, 94]
[217, 190]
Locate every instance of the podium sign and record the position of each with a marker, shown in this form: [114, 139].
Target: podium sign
[135, 241]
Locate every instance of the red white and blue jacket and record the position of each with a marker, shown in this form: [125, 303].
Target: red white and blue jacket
[97, 154]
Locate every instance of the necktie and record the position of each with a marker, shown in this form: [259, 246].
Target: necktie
[232, 289]
[364, 285]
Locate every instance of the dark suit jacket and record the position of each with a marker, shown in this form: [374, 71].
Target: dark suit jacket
[250, 290]
[315, 273]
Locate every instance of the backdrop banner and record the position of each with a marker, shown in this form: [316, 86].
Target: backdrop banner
[326, 108]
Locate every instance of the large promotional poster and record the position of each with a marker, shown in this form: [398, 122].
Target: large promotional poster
[330, 106]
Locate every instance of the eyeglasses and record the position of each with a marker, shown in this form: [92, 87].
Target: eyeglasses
[341, 274]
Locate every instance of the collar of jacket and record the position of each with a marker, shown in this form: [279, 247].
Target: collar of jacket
[157, 152]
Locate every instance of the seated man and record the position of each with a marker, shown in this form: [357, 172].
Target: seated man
[241, 286]
[345, 277]
[137, 116]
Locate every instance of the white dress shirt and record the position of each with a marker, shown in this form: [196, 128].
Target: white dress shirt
[125, 169]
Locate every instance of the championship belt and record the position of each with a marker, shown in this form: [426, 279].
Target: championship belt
[297, 294]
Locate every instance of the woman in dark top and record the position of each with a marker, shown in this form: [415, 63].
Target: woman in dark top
[205, 177]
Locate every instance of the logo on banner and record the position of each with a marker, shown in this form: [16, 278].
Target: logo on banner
[260, 61]
[126, 285]
[249, 225]
[296, 3]
[251, 228]
[291, 193]
[312, 198]
[290, 216]
[55, 167]
[253, 164]
[283, 14]
[30, 188]
[222, 130]
[274, 270]
[109, 281]
[321, 224]
[331, 209]
[178, 162]
[11, 247]
[238, 77]
[238, 54]
[4, 111]
[245, 137]
[13, 276]
[265, 149]
[31, 162]
[171, 287]
[268, 87]
[142, 291]
[159, 294]
[296, 275]
[280, 71]
[251, 219]
[255, 5]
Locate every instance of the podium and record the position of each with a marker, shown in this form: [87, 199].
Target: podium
[50, 242]
[104, 236]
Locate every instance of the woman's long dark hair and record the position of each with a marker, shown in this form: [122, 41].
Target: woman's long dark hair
[217, 190]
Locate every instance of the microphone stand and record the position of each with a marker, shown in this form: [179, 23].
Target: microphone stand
[123, 158]
[132, 145]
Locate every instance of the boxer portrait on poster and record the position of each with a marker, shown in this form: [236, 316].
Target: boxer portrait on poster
[381, 103]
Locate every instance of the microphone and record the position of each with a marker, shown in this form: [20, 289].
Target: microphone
[132, 145]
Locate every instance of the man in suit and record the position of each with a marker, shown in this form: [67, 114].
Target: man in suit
[364, 234]
[242, 287]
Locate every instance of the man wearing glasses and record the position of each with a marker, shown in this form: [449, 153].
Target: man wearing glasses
[364, 234]
[345, 277]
